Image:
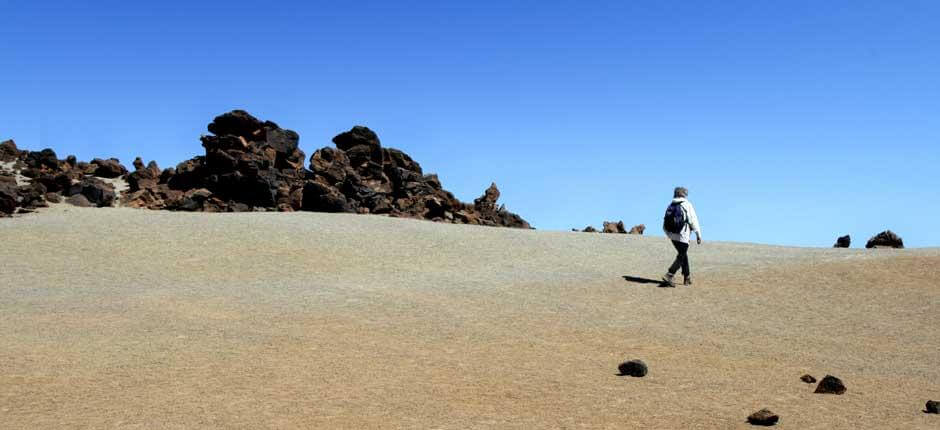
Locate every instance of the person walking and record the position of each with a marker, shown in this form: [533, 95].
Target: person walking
[678, 224]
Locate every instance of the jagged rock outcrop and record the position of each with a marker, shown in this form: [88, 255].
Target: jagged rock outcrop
[637, 229]
[885, 239]
[254, 165]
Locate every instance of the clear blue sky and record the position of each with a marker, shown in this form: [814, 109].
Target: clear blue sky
[791, 122]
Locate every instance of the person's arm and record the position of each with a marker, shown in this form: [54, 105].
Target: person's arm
[693, 223]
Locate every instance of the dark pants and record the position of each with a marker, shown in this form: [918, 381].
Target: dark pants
[682, 260]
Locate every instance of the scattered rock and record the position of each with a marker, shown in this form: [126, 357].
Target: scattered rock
[635, 368]
[932, 407]
[614, 227]
[830, 385]
[53, 198]
[809, 379]
[843, 242]
[589, 229]
[763, 417]
[885, 239]
[637, 229]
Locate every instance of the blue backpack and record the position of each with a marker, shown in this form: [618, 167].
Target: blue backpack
[674, 220]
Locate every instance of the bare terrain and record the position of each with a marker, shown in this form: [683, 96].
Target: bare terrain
[123, 318]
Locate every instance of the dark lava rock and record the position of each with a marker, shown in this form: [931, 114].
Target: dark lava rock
[96, 191]
[8, 151]
[830, 385]
[42, 159]
[809, 379]
[843, 242]
[885, 239]
[589, 229]
[635, 368]
[932, 407]
[110, 168]
[763, 417]
[8, 197]
[236, 123]
[78, 200]
[53, 198]
[357, 136]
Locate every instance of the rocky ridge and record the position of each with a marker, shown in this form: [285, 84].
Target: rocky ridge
[254, 165]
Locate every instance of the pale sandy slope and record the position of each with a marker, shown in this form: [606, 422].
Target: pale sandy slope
[122, 318]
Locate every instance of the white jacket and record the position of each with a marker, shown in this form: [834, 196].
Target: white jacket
[690, 226]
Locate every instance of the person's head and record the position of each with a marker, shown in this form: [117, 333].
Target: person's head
[680, 192]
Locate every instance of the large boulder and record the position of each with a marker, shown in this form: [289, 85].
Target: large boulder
[356, 136]
[323, 198]
[332, 164]
[9, 151]
[99, 193]
[110, 168]
[8, 197]
[885, 239]
[843, 242]
[637, 229]
[45, 159]
[236, 123]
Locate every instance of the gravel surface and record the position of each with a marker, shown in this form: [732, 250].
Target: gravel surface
[124, 318]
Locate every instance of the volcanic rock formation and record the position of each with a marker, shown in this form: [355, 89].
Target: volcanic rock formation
[250, 165]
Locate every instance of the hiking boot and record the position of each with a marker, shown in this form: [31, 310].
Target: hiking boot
[687, 280]
[667, 280]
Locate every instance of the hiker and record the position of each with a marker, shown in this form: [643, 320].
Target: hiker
[678, 224]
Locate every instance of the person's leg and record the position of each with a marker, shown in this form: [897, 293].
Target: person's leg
[678, 262]
[684, 254]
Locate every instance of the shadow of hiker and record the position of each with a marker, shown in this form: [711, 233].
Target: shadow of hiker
[639, 280]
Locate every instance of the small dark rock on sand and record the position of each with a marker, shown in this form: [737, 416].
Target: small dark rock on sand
[843, 242]
[932, 407]
[635, 368]
[763, 417]
[830, 385]
[809, 379]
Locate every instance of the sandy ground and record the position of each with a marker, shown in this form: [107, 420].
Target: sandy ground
[123, 318]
